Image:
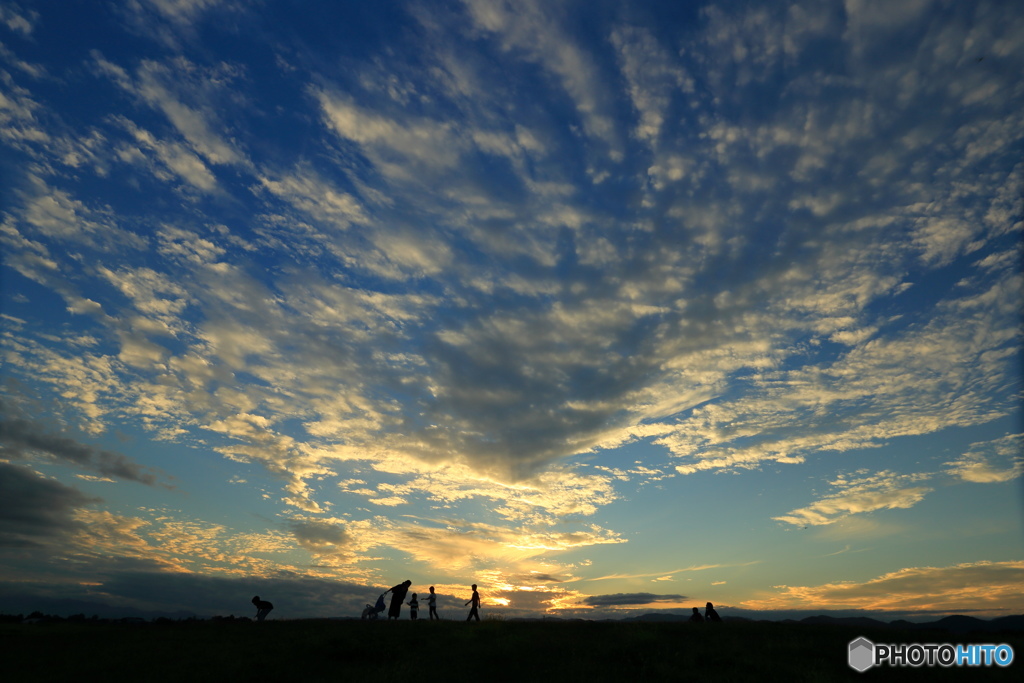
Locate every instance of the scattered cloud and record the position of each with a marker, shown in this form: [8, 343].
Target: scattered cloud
[441, 291]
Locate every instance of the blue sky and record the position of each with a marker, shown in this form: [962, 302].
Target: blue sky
[606, 308]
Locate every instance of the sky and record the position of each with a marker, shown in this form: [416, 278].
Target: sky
[609, 308]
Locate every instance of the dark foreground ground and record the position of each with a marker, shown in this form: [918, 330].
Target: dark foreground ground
[323, 650]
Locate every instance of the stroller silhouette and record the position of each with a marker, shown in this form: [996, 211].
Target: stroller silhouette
[371, 611]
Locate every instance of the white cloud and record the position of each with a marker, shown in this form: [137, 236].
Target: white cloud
[187, 95]
[173, 156]
[535, 29]
[652, 76]
[859, 494]
[426, 143]
[18, 19]
[991, 462]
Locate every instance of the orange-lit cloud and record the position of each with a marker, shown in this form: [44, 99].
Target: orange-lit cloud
[994, 588]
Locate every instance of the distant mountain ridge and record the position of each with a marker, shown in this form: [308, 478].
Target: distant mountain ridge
[955, 624]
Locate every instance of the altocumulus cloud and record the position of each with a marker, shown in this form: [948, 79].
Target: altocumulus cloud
[465, 274]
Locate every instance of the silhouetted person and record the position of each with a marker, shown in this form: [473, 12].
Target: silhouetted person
[432, 604]
[710, 614]
[398, 594]
[696, 615]
[414, 608]
[262, 608]
[475, 600]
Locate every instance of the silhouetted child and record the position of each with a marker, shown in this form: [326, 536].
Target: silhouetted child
[414, 608]
[710, 614]
[262, 608]
[696, 615]
[432, 604]
[475, 600]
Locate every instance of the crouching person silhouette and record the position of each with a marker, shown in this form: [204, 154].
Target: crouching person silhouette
[263, 608]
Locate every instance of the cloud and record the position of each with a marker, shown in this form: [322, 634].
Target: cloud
[991, 462]
[631, 599]
[320, 537]
[175, 158]
[537, 32]
[512, 370]
[462, 546]
[653, 76]
[893, 384]
[22, 438]
[863, 493]
[992, 587]
[18, 19]
[186, 94]
[662, 575]
[34, 510]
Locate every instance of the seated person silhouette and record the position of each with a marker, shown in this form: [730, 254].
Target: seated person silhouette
[263, 608]
[696, 615]
[710, 614]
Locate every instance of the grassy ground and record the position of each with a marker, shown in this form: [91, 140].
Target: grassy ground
[321, 650]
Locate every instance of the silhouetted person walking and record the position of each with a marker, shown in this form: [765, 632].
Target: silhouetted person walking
[432, 604]
[414, 608]
[263, 608]
[398, 594]
[696, 615]
[474, 610]
[710, 614]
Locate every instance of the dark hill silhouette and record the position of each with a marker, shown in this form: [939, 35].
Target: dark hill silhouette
[954, 624]
[1009, 623]
[656, 617]
[957, 623]
[863, 622]
[960, 623]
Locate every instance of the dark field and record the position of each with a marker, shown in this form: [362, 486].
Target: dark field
[324, 650]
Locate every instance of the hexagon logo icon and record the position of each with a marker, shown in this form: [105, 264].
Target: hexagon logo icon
[862, 654]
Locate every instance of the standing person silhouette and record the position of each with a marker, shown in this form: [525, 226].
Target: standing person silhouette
[414, 608]
[710, 614]
[475, 600]
[397, 598]
[432, 604]
[263, 608]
